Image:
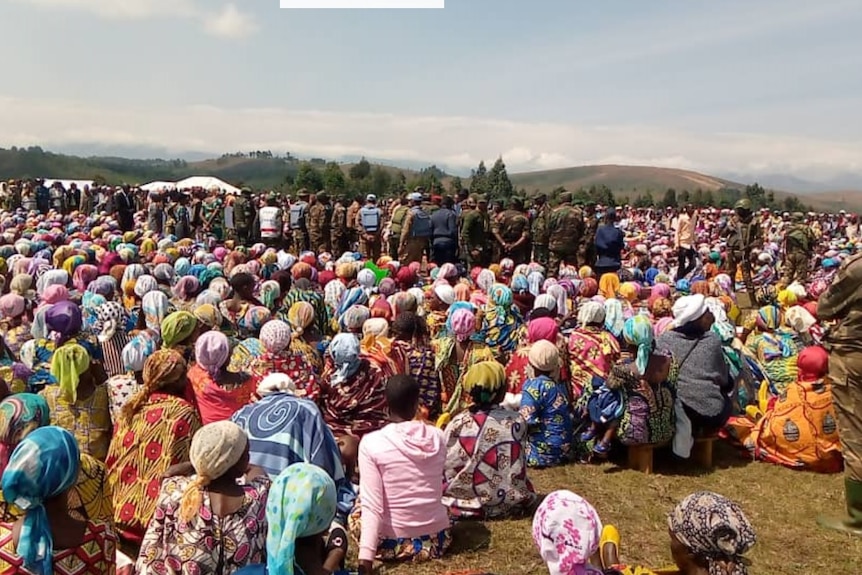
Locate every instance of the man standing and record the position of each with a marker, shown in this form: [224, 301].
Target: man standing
[842, 302]
[587, 250]
[43, 197]
[475, 228]
[684, 241]
[297, 222]
[798, 243]
[444, 233]
[125, 206]
[353, 231]
[396, 226]
[271, 226]
[565, 231]
[243, 216]
[512, 232]
[743, 234]
[319, 215]
[369, 224]
[339, 227]
[416, 232]
[541, 220]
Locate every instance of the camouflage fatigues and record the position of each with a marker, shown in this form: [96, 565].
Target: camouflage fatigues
[798, 242]
[396, 226]
[566, 228]
[318, 223]
[743, 235]
[340, 233]
[511, 226]
[541, 235]
[587, 249]
[299, 233]
[243, 217]
[475, 226]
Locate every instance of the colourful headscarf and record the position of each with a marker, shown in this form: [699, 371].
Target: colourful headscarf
[543, 328]
[212, 351]
[812, 363]
[638, 331]
[614, 317]
[344, 351]
[484, 380]
[63, 320]
[716, 529]
[156, 307]
[12, 305]
[68, 363]
[301, 503]
[44, 465]
[609, 285]
[566, 531]
[300, 316]
[20, 414]
[136, 352]
[769, 317]
[461, 323]
[177, 327]
[275, 335]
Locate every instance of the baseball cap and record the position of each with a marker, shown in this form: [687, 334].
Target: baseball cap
[415, 197]
[370, 198]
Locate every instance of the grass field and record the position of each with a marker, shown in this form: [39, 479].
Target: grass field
[782, 504]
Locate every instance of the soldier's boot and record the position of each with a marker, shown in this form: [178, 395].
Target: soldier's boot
[852, 524]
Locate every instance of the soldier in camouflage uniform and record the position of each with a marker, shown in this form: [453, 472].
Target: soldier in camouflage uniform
[541, 220]
[587, 250]
[743, 234]
[512, 232]
[566, 229]
[475, 232]
[396, 225]
[339, 227]
[297, 221]
[798, 242]
[319, 232]
[841, 303]
[243, 216]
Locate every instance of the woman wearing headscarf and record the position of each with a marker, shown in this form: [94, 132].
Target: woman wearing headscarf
[305, 337]
[567, 531]
[155, 307]
[184, 292]
[40, 476]
[351, 396]
[208, 522]
[77, 402]
[545, 406]
[122, 387]
[285, 429]
[303, 290]
[111, 319]
[14, 327]
[592, 350]
[62, 325]
[773, 348]
[299, 513]
[437, 302]
[179, 331]
[518, 370]
[217, 392]
[500, 323]
[456, 350]
[410, 334]
[486, 432]
[154, 433]
[703, 381]
[798, 429]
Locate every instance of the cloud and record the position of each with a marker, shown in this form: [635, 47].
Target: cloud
[456, 143]
[229, 22]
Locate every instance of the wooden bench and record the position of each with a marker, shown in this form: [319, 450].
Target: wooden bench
[640, 457]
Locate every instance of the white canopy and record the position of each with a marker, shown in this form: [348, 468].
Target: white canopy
[68, 183]
[156, 186]
[206, 182]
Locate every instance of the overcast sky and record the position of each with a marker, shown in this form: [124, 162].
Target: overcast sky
[751, 87]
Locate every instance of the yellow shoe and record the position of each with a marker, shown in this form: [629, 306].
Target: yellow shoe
[609, 547]
[443, 420]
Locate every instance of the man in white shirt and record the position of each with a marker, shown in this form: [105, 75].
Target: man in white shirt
[684, 240]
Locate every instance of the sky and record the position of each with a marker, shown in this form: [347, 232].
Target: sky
[766, 87]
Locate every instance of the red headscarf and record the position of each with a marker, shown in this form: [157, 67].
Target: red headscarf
[543, 328]
[813, 363]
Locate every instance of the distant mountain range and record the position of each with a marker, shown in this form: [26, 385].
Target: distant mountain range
[117, 164]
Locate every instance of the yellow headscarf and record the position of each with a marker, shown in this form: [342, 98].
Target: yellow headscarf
[609, 284]
[177, 327]
[487, 376]
[69, 362]
[786, 299]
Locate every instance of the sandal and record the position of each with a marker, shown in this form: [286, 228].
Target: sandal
[588, 435]
[602, 448]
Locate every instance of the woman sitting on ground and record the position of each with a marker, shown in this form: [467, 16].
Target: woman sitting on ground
[217, 392]
[47, 539]
[774, 348]
[486, 432]
[154, 433]
[709, 535]
[208, 520]
[276, 336]
[703, 384]
[299, 513]
[545, 406]
[399, 515]
[456, 350]
[410, 333]
[592, 349]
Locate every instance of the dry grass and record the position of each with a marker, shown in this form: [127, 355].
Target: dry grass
[782, 504]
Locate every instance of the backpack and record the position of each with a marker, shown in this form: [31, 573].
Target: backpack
[297, 215]
[799, 236]
[421, 223]
[369, 219]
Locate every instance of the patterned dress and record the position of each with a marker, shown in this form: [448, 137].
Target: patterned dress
[592, 352]
[358, 405]
[293, 365]
[545, 408]
[207, 545]
[95, 555]
[422, 368]
[648, 412]
[142, 449]
[486, 467]
[89, 419]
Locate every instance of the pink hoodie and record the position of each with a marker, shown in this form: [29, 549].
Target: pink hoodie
[401, 484]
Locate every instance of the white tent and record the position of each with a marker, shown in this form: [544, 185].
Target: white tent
[156, 186]
[68, 183]
[206, 182]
